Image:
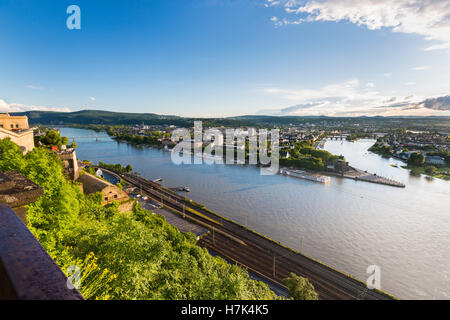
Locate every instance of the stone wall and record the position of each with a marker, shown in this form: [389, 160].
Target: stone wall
[25, 139]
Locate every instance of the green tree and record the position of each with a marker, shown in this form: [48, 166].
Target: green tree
[430, 170]
[300, 288]
[53, 138]
[416, 159]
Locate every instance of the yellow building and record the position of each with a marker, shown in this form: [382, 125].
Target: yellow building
[17, 129]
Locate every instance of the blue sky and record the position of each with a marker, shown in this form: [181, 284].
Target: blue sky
[223, 58]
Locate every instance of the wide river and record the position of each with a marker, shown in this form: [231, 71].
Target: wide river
[348, 225]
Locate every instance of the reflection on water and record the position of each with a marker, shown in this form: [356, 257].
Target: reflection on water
[346, 224]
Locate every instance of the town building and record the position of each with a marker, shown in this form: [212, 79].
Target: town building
[436, 160]
[16, 128]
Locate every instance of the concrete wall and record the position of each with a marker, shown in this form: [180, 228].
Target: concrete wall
[25, 140]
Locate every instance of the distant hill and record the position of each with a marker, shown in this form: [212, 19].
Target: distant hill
[99, 117]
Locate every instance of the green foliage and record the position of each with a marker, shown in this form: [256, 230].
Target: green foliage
[53, 138]
[326, 156]
[116, 167]
[430, 170]
[310, 163]
[300, 288]
[133, 255]
[382, 149]
[90, 170]
[416, 159]
[12, 159]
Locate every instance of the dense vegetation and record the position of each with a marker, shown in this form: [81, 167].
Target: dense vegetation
[133, 255]
[304, 156]
[50, 139]
[384, 150]
[152, 138]
[416, 159]
[116, 167]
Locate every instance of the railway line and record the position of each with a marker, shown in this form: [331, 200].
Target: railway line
[255, 252]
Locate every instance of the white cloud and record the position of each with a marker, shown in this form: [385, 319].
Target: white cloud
[370, 85]
[327, 100]
[18, 107]
[347, 99]
[92, 98]
[411, 83]
[387, 75]
[30, 86]
[420, 68]
[429, 18]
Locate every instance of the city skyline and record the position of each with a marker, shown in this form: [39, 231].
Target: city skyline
[228, 58]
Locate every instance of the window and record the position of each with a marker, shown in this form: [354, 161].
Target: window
[17, 126]
[106, 198]
[115, 196]
[12, 126]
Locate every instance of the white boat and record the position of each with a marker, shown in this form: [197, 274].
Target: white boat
[305, 175]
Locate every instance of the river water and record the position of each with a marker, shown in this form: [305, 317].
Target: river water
[348, 225]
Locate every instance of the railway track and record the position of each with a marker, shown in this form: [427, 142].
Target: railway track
[253, 251]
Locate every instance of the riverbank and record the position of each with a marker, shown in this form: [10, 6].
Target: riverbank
[256, 252]
[439, 172]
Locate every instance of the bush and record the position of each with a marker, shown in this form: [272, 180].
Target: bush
[300, 288]
[430, 170]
